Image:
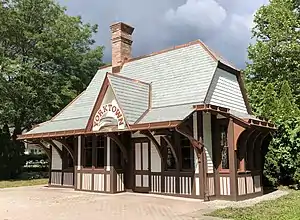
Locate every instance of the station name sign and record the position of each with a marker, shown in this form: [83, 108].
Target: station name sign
[108, 115]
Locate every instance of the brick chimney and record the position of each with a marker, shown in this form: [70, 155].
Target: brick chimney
[121, 42]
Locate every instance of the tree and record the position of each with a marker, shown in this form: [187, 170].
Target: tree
[46, 59]
[275, 56]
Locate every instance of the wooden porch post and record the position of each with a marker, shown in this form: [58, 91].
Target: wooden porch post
[232, 161]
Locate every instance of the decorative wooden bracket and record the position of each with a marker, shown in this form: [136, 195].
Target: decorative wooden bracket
[172, 147]
[59, 151]
[199, 147]
[68, 148]
[150, 136]
[117, 140]
[46, 149]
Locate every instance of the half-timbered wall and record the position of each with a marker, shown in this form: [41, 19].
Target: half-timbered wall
[91, 179]
[58, 176]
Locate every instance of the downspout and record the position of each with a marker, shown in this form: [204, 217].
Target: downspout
[199, 145]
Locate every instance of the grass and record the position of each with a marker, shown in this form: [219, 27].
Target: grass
[284, 208]
[18, 183]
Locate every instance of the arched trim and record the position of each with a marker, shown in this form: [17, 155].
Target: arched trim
[68, 148]
[119, 143]
[150, 136]
[59, 151]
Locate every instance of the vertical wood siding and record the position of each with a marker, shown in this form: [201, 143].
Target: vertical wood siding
[185, 185]
[107, 182]
[226, 92]
[197, 185]
[156, 183]
[78, 181]
[249, 181]
[99, 182]
[56, 178]
[87, 181]
[138, 180]
[224, 186]
[120, 182]
[207, 139]
[138, 156]
[170, 184]
[257, 184]
[241, 185]
[211, 186]
[68, 179]
[145, 156]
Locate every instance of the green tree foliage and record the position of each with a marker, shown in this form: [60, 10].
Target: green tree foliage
[283, 158]
[275, 56]
[273, 78]
[46, 59]
[11, 155]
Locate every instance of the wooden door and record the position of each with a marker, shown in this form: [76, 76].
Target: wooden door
[141, 148]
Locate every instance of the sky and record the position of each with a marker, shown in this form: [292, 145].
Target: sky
[224, 25]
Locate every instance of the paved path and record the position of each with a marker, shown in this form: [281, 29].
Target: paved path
[36, 203]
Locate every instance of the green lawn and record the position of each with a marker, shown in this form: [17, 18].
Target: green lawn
[17, 183]
[284, 208]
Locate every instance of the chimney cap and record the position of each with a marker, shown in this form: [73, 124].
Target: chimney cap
[122, 26]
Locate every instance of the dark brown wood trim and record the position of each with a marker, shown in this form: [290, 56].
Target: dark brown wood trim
[68, 148]
[47, 150]
[152, 139]
[59, 151]
[232, 161]
[98, 103]
[119, 143]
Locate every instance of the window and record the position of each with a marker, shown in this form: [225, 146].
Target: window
[187, 156]
[88, 152]
[224, 148]
[100, 142]
[67, 159]
[171, 164]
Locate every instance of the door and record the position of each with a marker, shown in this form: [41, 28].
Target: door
[141, 174]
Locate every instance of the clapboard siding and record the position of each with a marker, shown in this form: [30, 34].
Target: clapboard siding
[56, 162]
[207, 139]
[155, 157]
[226, 92]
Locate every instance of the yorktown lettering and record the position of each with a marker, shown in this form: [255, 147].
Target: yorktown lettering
[105, 109]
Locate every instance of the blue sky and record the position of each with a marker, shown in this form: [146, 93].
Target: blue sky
[224, 25]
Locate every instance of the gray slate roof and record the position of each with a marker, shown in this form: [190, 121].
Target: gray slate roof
[132, 96]
[76, 114]
[178, 77]
[170, 113]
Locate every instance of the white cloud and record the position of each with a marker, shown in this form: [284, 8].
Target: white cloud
[202, 14]
[224, 25]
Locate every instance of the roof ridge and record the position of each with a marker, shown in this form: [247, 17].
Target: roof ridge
[127, 78]
[211, 52]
